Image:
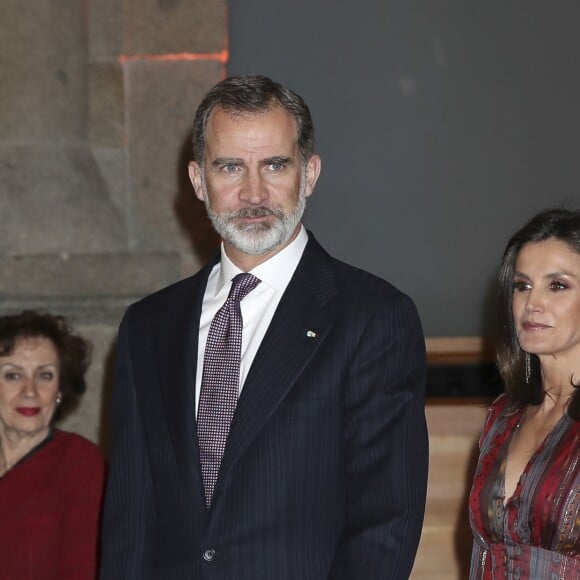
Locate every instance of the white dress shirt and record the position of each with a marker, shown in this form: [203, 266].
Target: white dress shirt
[257, 307]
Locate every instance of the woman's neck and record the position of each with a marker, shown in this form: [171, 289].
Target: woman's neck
[559, 371]
[15, 445]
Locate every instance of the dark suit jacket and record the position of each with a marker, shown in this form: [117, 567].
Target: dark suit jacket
[325, 469]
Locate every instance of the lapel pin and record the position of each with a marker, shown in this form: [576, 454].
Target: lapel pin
[310, 334]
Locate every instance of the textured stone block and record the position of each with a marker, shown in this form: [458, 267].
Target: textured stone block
[162, 98]
[69, 276]
[106, 106]
[175, 26]
[43, 90]
[92, 418]
[112, 164]
[93, 180]
[53, 200]
[105, 29]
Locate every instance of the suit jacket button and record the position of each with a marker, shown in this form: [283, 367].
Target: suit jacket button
[209, 554]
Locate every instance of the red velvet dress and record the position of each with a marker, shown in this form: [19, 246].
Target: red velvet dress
[537, 534]
[49, 511]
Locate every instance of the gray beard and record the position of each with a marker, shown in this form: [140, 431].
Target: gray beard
[260, 238]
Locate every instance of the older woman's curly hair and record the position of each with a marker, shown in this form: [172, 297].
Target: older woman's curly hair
[74, 352]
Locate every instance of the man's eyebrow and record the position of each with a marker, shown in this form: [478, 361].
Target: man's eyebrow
[226, 161]
[278, 159]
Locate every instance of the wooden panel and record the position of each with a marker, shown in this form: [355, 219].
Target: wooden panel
[445, 547]
[458, 349]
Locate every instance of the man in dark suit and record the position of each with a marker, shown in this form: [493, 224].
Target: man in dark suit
[268, 412]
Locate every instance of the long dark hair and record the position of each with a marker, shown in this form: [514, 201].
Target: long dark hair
[557, 224]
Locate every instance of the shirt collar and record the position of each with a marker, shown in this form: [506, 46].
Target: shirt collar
[274, 272]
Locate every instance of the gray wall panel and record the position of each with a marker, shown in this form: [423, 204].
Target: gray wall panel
[443, 127]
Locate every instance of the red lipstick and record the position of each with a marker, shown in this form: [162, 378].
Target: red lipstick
[28, 411]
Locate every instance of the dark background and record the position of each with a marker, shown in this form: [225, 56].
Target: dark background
[443, 127]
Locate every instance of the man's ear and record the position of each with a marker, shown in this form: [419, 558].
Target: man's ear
[313, 167]
[194, 170]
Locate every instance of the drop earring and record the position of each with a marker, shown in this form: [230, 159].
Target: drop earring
[528, 367]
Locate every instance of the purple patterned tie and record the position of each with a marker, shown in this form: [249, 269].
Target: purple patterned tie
[220, 381]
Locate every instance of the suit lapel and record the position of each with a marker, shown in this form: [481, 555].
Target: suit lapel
[176, 339]
[300, 325]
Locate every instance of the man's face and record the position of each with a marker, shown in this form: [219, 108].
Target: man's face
[253, 181]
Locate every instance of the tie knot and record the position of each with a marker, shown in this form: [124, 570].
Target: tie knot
[242, 284]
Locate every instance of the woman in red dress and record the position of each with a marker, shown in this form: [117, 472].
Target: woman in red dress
[525, 500]
[51, 482]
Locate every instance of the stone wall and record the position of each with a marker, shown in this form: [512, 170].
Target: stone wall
[96, 104]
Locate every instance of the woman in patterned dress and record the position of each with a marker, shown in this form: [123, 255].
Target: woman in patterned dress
[525, 501]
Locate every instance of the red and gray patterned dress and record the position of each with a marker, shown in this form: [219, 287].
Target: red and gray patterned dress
[536, 535]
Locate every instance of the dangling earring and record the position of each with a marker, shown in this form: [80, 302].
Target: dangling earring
[528, 367]
[58, 398]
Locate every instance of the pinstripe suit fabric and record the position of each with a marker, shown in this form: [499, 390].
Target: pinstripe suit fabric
[324, 472]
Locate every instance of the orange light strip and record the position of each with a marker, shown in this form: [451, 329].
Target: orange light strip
[222, 57]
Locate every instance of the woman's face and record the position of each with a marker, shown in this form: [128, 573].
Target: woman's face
[546, 299]
[29, 384]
